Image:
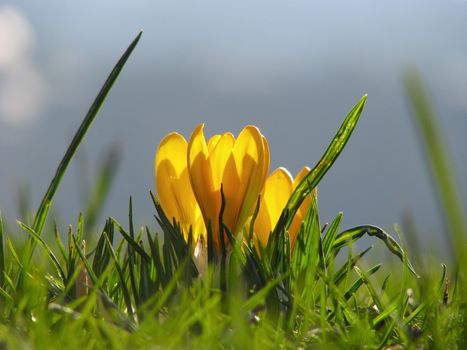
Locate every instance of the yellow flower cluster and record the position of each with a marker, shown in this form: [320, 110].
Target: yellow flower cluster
[190, 176]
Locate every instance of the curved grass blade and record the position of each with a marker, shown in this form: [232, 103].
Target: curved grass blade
[46, 202]
[354, 234]
[44, 245]
[316, 174]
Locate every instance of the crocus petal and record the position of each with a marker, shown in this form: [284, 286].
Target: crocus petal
[239, 166]
[173, 185]
[212, 142]
[276, 193]
[200, 174]
[243, 177]
[302, 210]
[266, 158]
[219, 156]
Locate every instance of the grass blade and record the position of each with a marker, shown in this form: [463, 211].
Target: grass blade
[46, 202]
[331, 234]
[358, 283]
[441, 165]
[355, 233]
[44, 245]
[316, 174]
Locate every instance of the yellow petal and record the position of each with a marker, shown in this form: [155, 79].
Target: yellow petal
[302, 210]
[266, 158]
[201, 177]
[300, 176]
[218, 157]
[212, 142]
[240, 166]
[173, 184]
[243, 177]
[276, 193]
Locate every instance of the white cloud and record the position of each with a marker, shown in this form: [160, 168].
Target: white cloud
[16, 36]
[22, 94]
[23, 90]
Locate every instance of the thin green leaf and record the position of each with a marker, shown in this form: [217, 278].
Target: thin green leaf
[132, 243]
[315, 175]
[44, 245]
[358, 283]
[123, 286]
[442, 168]
[331, 234]
[46, 202]
[354, 234]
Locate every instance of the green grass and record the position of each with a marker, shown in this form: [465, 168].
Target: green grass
[130, 287]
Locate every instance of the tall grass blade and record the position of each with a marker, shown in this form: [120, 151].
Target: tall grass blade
[441, 164]
[46, 202]
[316, 174]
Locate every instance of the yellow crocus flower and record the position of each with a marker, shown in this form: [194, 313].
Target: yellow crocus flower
[277, 191]
[239, 165]
[174, 188]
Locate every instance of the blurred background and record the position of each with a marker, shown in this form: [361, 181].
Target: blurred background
[293, 68]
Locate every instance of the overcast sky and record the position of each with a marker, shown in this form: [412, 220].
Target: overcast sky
[294, 69]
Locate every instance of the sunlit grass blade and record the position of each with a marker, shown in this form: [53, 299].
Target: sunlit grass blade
[14, 253]
[358, 283]
[441, 164]
[101, 253]
[355, 233]
[85, 261]
[376, 299]
[44, 206]
[316, 174]
[331, 234]
[44, 245]
[123, 287]
[307, 256]
[131, 241]
[156, 259]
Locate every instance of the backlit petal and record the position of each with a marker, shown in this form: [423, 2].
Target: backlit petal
[212, 142]
[201, 177]
[276, 193]
[243, 177]
[173, 184]
[218, 157]
[302, 210]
